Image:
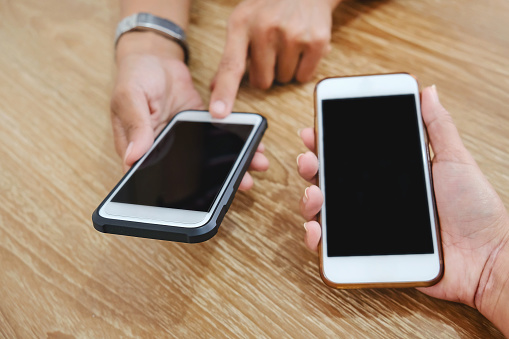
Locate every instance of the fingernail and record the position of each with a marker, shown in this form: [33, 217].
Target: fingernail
[434, 93]
[298, 157]
[128, 151]
[305, 226]
[218, 108]
[299, 131]
[305, 198]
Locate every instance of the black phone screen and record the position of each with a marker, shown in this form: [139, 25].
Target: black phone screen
[375, 192]
[187, 168]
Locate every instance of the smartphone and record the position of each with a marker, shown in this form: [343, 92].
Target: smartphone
[379, 220]
[182, 187]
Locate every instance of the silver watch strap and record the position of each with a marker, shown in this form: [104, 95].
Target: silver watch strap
[147, 21]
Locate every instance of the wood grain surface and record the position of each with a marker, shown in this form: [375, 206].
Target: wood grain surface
[59, 278]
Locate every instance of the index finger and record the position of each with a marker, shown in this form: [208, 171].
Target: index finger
[230, 72]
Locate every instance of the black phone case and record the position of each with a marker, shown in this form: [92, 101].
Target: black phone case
[176, 233]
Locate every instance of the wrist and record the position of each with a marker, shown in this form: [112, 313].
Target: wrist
[148, 42]
[492, 297]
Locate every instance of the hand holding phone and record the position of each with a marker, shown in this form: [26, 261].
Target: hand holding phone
[379, 224]
[475, 235]
[182, 187]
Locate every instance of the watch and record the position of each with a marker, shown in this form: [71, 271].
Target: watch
[149, 22]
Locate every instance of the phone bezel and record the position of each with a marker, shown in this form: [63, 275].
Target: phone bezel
[170, 216]
[381, 270]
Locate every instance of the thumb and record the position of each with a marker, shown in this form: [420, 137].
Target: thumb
[132, 128]
[140, 138]
[443, 135]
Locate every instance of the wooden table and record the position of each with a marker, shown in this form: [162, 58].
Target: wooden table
[59, 278]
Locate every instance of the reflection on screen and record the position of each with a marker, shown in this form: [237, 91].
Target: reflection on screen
[187, 169]
[376, 200]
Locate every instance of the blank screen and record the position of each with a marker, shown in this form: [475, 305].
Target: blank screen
[187, 168]
[375, 194]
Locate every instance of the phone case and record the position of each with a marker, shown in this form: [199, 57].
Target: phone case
[182, 234]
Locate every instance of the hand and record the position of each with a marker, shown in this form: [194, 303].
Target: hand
[474, 222]
[283, 40]
[152, 85]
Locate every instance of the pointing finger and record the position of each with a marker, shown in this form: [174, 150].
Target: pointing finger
[230, 72]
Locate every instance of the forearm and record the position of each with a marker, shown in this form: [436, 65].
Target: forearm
[494, 302]
[500, 318]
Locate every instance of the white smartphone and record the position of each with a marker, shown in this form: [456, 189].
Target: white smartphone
[182, 187]
[379, 221]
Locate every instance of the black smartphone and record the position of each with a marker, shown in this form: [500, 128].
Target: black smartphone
[182, 187]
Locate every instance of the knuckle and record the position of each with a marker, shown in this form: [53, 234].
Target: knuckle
[295, 37]
[122, 94]
[304, 77]
[232, 66]
[273, 24]
[284, 79]
[263, 83]
[321, 37]
[268, 25]
[237, 20]
[130, 126]
[297, 31]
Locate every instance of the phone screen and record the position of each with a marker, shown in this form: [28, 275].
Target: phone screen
[187, 168]
[375, 197]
